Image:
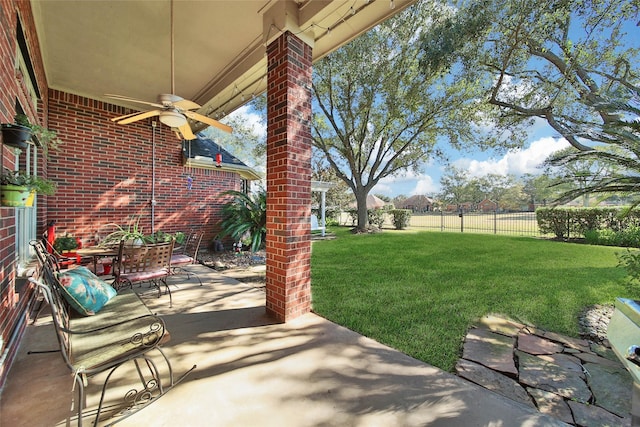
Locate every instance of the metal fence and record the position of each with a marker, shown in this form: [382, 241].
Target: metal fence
[513, 223]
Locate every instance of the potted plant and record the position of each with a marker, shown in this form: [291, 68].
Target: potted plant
[47, 138]
[18, 189]
[16, 134]
[132, 234]
[65, 244]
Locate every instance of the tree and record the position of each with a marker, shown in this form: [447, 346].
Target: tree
[539, 189]
[579, 173]
[457, 188]
[378, 114]
[562, 61]
[620, 156]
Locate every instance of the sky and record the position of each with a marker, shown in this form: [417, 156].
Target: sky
[542, 141]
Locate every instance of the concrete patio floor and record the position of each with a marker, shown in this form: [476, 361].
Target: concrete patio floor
[253, 371]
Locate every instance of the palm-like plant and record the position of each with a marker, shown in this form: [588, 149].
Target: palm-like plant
[245, 215]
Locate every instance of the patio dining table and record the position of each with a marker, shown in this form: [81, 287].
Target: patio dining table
[97, 252]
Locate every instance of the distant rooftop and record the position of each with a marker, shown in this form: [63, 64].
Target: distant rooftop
[201, 153]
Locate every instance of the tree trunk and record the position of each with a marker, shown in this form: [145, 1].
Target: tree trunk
[361, 201]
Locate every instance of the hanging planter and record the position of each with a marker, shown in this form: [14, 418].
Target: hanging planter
[19, 189]
[15, 135]
[15, 196]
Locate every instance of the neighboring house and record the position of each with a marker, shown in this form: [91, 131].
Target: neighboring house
[464, 207]
[417, 204]
[487, 205]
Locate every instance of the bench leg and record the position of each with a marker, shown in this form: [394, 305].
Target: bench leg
[150, 386]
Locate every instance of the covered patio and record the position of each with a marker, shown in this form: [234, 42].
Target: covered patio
[252, 370]
[64, 61]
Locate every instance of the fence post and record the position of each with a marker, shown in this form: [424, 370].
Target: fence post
[441, 220]
[495, 222]
[461, 222]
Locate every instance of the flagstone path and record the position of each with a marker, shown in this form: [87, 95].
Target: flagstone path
[580, 382]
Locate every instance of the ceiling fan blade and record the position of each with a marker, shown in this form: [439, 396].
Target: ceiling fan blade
[186, 132]
[139, 116]
[185, 104]
[128, 99]
[207, 120]
[116, 119]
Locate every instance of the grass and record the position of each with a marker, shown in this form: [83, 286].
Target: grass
[419, 292]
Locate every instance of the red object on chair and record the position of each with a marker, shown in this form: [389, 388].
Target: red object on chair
[64, 260]
[50, 236]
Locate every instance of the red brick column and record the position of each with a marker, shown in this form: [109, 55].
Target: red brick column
[288, 277]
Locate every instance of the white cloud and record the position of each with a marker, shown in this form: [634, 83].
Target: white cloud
[426, 186]
[252, 120]
[515, 162]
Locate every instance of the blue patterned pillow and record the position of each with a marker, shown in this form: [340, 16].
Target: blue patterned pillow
[84, 291]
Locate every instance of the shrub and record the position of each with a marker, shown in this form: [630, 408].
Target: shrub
[401, 218]
[376, 217]
[630, 261]
[554, 221]
[629, 237]
[244, 218]
[567, 222]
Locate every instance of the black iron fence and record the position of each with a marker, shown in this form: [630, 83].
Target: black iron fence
[514, 223]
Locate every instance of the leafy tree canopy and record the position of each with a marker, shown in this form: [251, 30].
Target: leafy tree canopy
[377, 113]
[562, 61]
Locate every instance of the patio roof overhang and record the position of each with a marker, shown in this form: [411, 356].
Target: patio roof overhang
[92, 48]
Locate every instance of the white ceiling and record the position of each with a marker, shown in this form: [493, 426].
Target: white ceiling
[97, 47]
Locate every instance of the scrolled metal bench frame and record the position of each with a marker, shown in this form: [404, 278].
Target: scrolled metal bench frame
[109, 345]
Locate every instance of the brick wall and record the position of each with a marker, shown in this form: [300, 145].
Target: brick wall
[104, 174]
[14, 304]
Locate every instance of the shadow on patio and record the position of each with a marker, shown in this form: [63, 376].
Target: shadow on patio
[253, 371]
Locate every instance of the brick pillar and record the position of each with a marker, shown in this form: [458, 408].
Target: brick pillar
[288, 277]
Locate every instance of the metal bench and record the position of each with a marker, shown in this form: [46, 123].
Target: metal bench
[124, 330]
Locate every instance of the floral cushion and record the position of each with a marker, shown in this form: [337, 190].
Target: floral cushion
[84, 291]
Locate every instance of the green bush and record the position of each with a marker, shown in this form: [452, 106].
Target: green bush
[629, 237]
[376, 217]
[577, 222]
[553, 221]
[630, 261]
[401, 218]
[244, 218]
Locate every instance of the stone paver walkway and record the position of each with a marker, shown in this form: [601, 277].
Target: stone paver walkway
[579, 382]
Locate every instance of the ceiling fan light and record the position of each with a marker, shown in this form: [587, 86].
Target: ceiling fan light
[173, 119]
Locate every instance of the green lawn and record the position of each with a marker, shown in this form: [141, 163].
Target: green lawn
[420, 291]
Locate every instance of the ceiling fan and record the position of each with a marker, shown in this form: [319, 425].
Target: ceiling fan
[171, 110]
